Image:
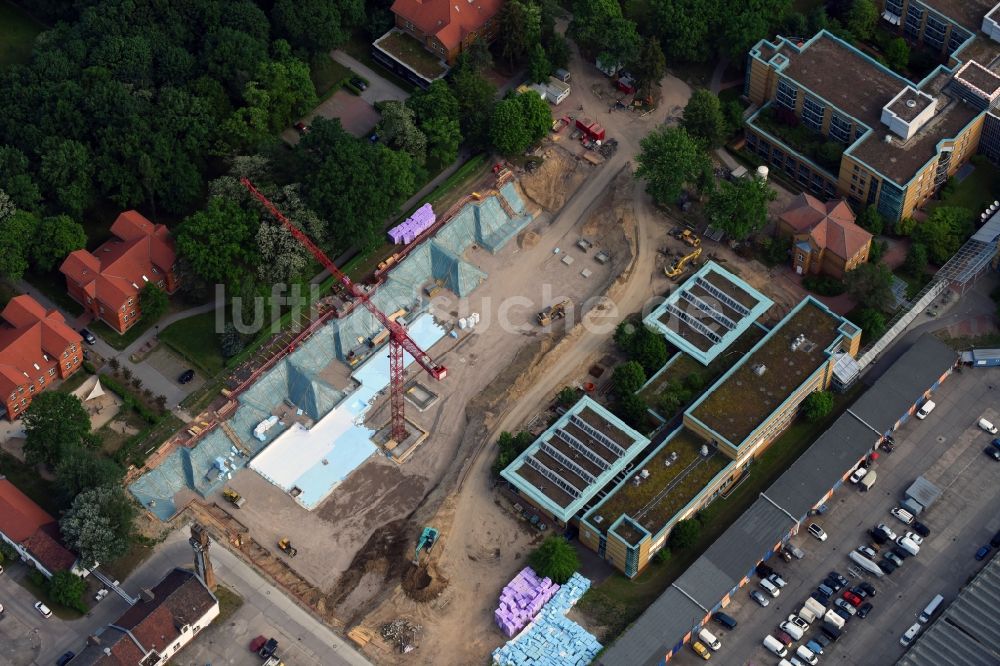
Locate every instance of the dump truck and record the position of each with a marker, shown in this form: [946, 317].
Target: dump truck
[552, 313]
[233, 497]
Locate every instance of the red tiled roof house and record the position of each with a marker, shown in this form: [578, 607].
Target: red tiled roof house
[825, 238]
[32, 532]
[107, 283]
[36, 349]
[166, 618]
[448, 27]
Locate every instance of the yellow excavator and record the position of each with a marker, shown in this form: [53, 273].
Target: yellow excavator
[677, 269]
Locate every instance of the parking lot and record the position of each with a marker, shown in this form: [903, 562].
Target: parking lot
[947, 448]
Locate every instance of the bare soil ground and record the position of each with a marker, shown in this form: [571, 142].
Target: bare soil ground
[558, 177]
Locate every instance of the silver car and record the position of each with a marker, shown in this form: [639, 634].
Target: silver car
[759, 597]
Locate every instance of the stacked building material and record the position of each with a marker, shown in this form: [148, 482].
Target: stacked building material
[415, 225]
[521, 600]
[552, 639]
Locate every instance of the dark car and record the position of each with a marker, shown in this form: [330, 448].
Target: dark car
[822, 639]
[995, 541]
[859, 591]
[269, 648]
[901, 553]
[63, 660]
[88, 337]
[821, 598]
[359, 83]
[887, 565]
[992, 452]
[833, 584]
[374, 137]
[302, 128]
[864, 610]
[725, 620]
[842, 613]
[784, 637]
[763, 570]
[840, 579]
[983, 552]
[868, 588]
[878, 536]
[186, 376]
[921, 529]
[824, 588]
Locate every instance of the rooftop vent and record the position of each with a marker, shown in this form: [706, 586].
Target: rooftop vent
[145, 279]
[36, 366]
[759, 369]
[704, 450]
[911, 103]
[888, 138]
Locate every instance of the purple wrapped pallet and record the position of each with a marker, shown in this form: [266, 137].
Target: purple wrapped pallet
[408, 231]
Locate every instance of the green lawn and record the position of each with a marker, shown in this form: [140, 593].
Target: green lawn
[327, 74]
[30, 483]
[976, 192]
[39, 592]
[360, 48]
[120, 568]
[53, 285]
[229, 603]
[74, 382]
[196, 339]
[117, 341]
[618, 601]
[17, 34]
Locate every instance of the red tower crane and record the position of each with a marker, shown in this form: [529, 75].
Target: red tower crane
[399, 339]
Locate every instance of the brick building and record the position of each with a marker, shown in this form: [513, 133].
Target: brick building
[448, 27]
[36, 349]
[824, 235]
[32, 532]
[107, 282]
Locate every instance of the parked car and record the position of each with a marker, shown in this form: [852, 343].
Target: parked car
[878, 536]
[983, 552]
[846, 605]
[302, 128]
[901, 515]
[887, 565]
[858, 474]
[798, 621]
[894, 558]
[817, 531]
[759, 597]
[901, 553]
[915, 538]
[868, 588]
[864, 609]
[806, 655]
[988, 426]
[88, 337]
[823, 599]
[701, 650]
[992, 452]
[842, 582]
[851, 598]
[887, 531]
[186, 376]
[910, 634]
[727, 621]
[359, 83]
[65, 659]
[43, 609]
[825, 589]
[815, 645]
[764, 571]
[784, 637]
[842, 613]
[777, 580]
[867, 551]
[921, 529]
[995, 542]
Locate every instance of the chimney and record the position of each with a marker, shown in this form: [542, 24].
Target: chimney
[146, 595]
[93, 640]
[202, 563]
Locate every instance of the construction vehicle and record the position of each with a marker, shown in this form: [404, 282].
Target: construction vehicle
[428, 537]
[286, 545]
[552, 313]
[678, 268]
[399, 339]
[233, 497]
[689, 238]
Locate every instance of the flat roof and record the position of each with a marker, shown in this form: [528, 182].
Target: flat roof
[761, 381]
[900, 160]
[967, 13]
[966, 632]
[677, 474]
[856, 85]
[763, 525]
[910, 103]
[980, 78]
[708, 312]
[574, 458]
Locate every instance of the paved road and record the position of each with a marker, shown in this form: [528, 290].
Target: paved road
[379, 88]
[303, 641]
[947, 448]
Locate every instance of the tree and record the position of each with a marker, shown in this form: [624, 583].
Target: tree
[916, 260]
[555, 558]
[54, 424]
[557, 51]
[591, 22]
[817, 405]
[905, 226]
[628, 378]
[476, 98]
[518, 122]
[317, 25]
[686, 28]
[153, 302]
[539, 67]
[872, 323]
[7, 207]
[17, 240]
[632, 410]
[510, 447]
[871, 286]
[399, 131]
[669, 158]
[703, 118]
[897, 54]
[217, 243]
[66, 588]
[66, 175]
[943, 232]
[98, 525]
[861, 19]
[743, 24]
[685, 534]
[740, 207]
[872, 220]
[520, 29]
[651, 65]
[231, 341]
[567, 396]
[80, 469]
[55, 238]
[643, 345]
[16, 179]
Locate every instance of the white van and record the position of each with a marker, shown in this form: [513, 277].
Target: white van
[706, 637]
[816, 607]
[908, 545]
[931, 608]
[902, 515]
[987, 426]
[775, 646]
[910, 634]
[858, 474]
[834, 619]
[792, 630]
[806, 655]
[926, 409]
[771, 588]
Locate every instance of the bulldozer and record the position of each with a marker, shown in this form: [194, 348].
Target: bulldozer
[428, 537]
[677, 269]
[690, 238]
[552, 313]
[233, 497]
[286, 545]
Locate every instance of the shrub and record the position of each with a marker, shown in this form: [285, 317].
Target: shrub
[685, 534]
[568, 396]
[126, 373]
[556, 559]
[663, 555]
[67, 589]
[137, 383]
[824, 285]
[114, 363]
[817, 405]
[632, 409]
[628, 378]
[89, 368]
[905, 226]
[510, 447]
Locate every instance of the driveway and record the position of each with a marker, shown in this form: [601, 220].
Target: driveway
[28, 639]
[379, 89]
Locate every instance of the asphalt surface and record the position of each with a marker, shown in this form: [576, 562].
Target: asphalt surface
[947, 448]
[26, 638]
